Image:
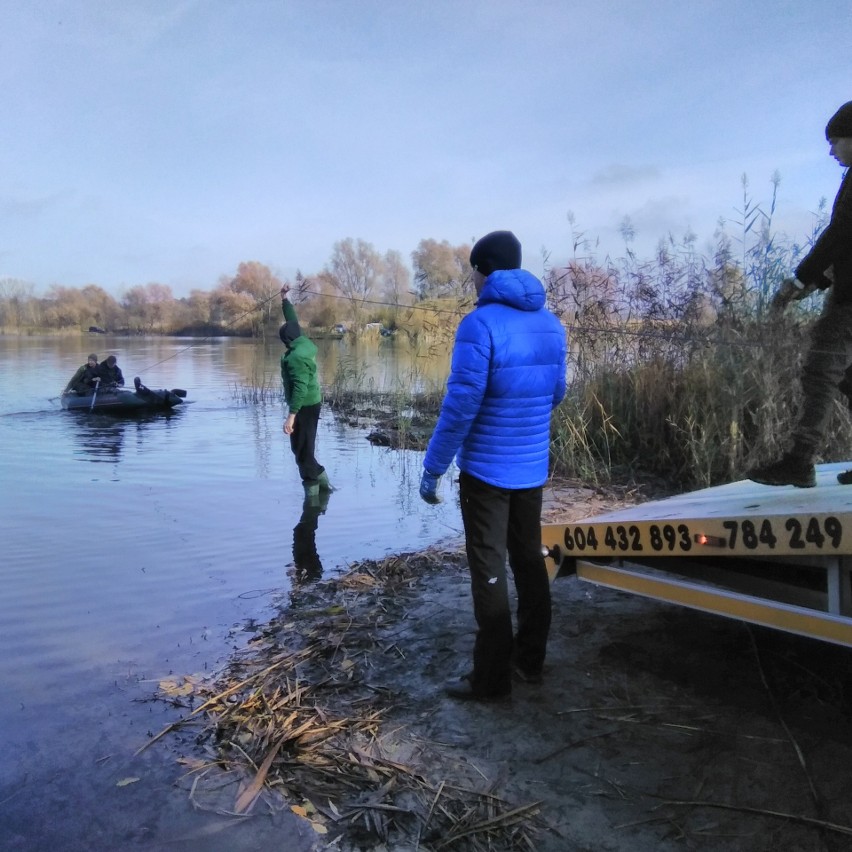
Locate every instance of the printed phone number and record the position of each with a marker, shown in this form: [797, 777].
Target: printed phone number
[792, 534]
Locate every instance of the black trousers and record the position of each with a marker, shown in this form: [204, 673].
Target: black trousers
[303, 442]
[825, 366]
[497, 522]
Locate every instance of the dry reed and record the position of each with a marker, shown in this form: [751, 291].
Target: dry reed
[296, 721]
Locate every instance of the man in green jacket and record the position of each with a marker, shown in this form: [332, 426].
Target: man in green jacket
[304, 398]
[84, 379]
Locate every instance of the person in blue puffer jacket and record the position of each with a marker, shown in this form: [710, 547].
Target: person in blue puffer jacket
[507, 375]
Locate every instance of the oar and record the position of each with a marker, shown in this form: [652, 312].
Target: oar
[95, 394]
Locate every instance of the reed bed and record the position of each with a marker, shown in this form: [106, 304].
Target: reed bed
[678, 368]
[697, 407]
[402, 417]
[299, 719]
[258, 394]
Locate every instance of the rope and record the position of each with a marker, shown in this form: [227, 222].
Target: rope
[573, 329]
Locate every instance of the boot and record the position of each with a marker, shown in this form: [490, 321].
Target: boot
[324, 484]
[790, 469]
[312, 494]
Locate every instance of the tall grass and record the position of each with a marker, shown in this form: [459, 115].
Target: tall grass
[406, 410]
[679, 371]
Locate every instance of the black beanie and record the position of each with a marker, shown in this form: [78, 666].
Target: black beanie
[289, 332]
[840, 124]
[497, 250]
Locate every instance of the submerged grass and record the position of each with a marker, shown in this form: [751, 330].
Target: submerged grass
[402, 416]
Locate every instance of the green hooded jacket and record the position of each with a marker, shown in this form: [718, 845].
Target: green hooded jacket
[299, 368]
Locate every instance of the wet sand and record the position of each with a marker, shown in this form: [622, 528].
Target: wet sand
[656, 728]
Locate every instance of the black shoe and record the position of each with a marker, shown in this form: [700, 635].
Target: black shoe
[788, 470]
[462, 689]
[845, 478]
[527, 676]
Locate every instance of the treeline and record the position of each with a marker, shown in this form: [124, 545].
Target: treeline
[357, 286]
[730, 281]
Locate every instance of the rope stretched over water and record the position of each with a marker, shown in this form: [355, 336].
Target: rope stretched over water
[571, 328]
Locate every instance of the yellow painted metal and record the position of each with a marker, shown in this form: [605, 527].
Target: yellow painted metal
[738, 519]
[792, 619]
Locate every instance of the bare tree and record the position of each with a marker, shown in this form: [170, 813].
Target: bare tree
[355, 270]
[245, 301]
[441, 270]
[149, 306]
[64, 307]
[16, 303]
[396, 280]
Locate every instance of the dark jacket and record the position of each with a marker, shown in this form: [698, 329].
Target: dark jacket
[84, 379]
[110, 375]
[507, 375]
[833, 249]
[298, 363]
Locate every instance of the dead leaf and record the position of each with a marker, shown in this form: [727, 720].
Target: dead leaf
[172, 687]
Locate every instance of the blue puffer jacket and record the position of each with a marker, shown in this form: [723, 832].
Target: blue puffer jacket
[507, 375]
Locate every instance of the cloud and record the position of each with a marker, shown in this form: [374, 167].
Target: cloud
[618, 174]
[33, 207]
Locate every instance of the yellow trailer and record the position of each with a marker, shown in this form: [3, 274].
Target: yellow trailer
[780, 557]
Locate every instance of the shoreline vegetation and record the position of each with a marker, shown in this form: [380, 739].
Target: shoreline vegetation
[679, 370]
[330, 711]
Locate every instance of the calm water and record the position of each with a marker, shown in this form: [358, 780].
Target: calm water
[133, 548]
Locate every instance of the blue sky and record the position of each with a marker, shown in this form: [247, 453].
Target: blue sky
[169, 141]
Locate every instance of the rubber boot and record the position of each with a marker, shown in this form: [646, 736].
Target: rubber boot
[312, 494]
[324, 484]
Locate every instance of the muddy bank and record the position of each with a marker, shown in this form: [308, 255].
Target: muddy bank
[655, 729]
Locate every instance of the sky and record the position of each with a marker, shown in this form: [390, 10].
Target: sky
[144, 141]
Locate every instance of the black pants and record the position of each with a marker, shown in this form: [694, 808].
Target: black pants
[825, 367]
[303, 442]
[498, 521]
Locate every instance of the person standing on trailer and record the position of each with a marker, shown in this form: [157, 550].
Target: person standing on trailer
[827, 266]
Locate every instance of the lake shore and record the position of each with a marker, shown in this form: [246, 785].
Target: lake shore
[656, 728]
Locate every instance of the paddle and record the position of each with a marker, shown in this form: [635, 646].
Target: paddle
[95, 394]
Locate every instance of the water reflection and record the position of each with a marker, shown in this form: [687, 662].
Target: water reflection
[307, 567]
[100, 438]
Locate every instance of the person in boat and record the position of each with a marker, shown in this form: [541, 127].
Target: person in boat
[84, 379]
[507, 375]
[110, 373]
[304, 399]
[827, 266]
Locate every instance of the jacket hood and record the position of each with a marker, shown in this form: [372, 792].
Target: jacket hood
[516, 288]
[289, 332]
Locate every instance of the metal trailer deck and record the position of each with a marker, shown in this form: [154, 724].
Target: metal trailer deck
[779, 557]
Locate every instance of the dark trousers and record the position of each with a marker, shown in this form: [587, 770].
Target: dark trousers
[303, 442]
[498, 521]
[824, 368]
